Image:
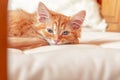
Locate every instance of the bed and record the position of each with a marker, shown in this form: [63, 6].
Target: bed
[95, 58]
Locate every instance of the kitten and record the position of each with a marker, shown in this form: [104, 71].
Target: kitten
[55, 28]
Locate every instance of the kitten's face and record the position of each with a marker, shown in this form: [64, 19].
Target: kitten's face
[57, 28]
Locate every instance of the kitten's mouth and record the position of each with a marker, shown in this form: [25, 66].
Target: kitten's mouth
[56, 42]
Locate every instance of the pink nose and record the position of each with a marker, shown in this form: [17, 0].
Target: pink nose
[56, 41]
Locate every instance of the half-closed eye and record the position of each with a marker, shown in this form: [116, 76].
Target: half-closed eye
[49, 30]
[65, 33]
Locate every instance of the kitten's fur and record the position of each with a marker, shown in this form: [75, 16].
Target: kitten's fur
[50, 26]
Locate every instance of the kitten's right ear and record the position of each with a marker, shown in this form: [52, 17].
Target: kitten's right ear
[43, 13]
[78, 19]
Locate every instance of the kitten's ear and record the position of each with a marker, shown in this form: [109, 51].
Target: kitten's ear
[78, 19]
[43, 13]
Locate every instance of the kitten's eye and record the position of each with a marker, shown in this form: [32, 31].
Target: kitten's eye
[50, 30]
[65, 33]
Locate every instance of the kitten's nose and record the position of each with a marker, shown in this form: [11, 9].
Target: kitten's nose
[56, 41]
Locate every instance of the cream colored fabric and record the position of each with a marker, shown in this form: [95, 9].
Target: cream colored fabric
[97, 59]
[71, 62]
[101, 39]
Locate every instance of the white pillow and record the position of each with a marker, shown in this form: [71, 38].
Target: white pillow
[93, 20]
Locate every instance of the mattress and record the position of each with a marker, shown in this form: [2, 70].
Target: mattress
[95, 58]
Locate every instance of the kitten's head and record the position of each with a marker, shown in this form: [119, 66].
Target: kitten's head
[57, 28]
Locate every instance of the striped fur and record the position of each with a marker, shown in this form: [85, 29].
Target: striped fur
[53, 27]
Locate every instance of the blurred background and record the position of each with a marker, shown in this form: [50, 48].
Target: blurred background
[96, 13]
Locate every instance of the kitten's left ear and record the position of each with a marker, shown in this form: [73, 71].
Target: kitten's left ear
[43, 13]
[77, 20]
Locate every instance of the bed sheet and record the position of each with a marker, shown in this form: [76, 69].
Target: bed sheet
[96, 58]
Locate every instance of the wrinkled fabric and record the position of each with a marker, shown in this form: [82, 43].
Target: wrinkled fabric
[96, 58]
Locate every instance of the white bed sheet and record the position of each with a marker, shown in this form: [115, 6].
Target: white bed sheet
[96, 58]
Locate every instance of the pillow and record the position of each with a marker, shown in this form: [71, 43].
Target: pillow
[93, 20]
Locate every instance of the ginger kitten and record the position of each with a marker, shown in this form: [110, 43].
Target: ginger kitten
[54, 28]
